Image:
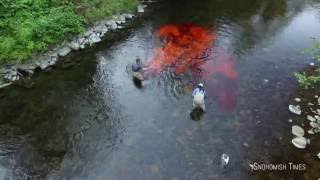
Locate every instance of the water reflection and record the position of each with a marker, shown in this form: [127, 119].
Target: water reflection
[91, 122]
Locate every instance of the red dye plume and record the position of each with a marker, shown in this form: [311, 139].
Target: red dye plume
[182, 45]
[183, 49]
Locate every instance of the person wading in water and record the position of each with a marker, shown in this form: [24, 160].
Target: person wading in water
[137, 69]
[199, 95]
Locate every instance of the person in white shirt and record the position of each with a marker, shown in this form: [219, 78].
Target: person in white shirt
[199, 95]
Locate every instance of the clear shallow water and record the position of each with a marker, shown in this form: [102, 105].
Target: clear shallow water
[89, 121]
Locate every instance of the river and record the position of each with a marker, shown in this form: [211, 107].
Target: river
[86, 119]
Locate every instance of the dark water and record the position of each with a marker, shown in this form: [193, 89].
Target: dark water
[87, 120]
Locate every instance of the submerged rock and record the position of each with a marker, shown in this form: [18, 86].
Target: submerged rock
[295, 109]
[4, 85]
[297, 131]
[314, 125]
[318, 155]
[299, 142]
[310, 131]
[310, 104]
[297, 99]
[310, 118]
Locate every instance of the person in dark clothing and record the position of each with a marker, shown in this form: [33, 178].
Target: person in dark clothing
[137, 69]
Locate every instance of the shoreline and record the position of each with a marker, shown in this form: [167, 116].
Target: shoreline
[12, 72]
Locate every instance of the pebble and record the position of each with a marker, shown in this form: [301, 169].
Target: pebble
[245, 144]
[290, 120]
[310, 131]
[297, 99]
[314, 125]
[318, 155]
[310, 118]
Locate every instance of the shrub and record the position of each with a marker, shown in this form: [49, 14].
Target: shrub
[309, 81]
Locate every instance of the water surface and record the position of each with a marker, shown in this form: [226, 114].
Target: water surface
[87, 120]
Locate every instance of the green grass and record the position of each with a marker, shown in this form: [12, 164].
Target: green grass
[29, 26]
[97, 9]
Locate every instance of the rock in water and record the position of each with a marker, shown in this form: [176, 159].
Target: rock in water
[295, 109]
[310, 118]
[310, 131]
[299, 142]
[224, 160]
[314, 125]
[297, 99]
[297, 131]
[318, 155]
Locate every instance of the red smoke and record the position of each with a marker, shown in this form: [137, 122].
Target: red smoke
[189, 48]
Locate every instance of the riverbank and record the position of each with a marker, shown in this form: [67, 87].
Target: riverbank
[20, 64]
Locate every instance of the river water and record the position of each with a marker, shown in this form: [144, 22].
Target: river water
[86, 119]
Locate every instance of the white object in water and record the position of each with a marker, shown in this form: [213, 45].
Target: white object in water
[225, 160]
[310, 118]
[297, 131]
[299, 142]
[295, 109]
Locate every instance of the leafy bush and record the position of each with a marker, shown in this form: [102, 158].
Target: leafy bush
[309, 81]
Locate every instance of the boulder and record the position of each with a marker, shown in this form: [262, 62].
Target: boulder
[297, 131]
[62, 52]
[44, 65]
[94, 38]
[74, 45]
[299, 142]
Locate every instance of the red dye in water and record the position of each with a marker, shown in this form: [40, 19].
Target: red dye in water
[186, 48]
[182, 44]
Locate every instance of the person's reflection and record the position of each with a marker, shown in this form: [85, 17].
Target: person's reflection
[196, 114]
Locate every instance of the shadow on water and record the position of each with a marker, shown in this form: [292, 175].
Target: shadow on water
[88, 120]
